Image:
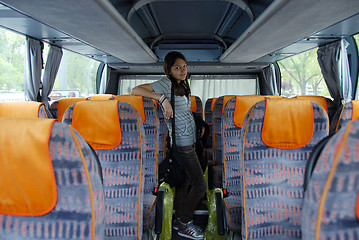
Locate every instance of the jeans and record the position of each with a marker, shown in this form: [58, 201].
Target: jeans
[194, 186]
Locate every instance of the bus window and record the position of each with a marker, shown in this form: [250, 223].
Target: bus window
[301, 75]
[76, 76]
[210, 86]
[12, 47]
[127, 82]
[204, 86]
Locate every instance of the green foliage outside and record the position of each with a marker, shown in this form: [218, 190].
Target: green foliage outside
[301, 75]
[76, 72]
[12, 48]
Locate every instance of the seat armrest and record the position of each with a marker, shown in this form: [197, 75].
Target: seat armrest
[220, 211]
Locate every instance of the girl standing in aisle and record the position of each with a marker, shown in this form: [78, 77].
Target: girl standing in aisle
[193, 187]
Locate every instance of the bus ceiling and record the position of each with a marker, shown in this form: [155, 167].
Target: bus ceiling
[241, 34]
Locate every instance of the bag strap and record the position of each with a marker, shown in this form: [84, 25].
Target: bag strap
[173, 119]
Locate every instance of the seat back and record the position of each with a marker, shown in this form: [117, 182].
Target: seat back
[278, 136]
[330, 206]
[208, 113]
[101, 97]
[51, 185]
[114, 129]
[233, 116]
[29, 109]
[326, 103]
[348, 112]
[217, 137]
[196, 105]
[148, 112]
[59, 107]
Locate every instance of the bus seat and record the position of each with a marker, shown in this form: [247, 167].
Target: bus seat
[208, 113]
[330, 205]
[217, 142]
[51, 184]
[348, 112]
[196, 105]
[147, 110]
[101, 97]
[277, 138]
[114, 130]
[233, 116]
[59, 107]
[29, 109]
[324, 102]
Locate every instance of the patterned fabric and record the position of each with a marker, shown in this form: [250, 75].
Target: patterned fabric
[273, 184]
[53, 108]
[150, 126]
[208, 113]
[123, 176]
[329, 204]
[342, 117]
[231, 165]
[217, 138]
[44, 113]
[199, 109]
[72, 216]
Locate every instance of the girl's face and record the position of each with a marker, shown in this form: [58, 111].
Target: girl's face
[179, 70]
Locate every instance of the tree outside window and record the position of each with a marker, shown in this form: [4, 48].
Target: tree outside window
[301, 75]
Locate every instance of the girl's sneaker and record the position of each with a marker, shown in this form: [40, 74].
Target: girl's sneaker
[178, 225]
[190, 231]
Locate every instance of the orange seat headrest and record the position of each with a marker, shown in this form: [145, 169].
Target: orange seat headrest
[65, 103]
[288, 123]
[98, 122]
[243, 104]
[27, 182]
[136, 101]
[20, 109]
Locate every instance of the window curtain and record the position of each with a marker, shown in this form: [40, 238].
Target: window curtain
[269, 83]
[212, 86]
[333, 61]
[104, 79]
[33, 67]
[50, 72]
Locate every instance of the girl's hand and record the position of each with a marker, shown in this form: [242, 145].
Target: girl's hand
[168, 111]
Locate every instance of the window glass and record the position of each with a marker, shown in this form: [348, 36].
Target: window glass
[203, 86]
[211, 86]
[12, 50]
[127, 82]
[301, 75]
[76, 76]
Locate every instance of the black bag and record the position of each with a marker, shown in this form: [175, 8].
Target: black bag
[171, 168]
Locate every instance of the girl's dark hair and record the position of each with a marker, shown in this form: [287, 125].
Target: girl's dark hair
[181, 88]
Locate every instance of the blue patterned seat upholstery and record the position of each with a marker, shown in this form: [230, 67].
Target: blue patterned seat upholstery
[324, 102]
[24, 109]
[114, 129]
[148, 113]
[208, 114]
[217, 137]
[196, 105]
[348, 112]
[277, 138]
[79, 209]
[233, 115]
[330, 207]
[58, 108]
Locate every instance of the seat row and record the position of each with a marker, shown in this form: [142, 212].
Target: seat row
[118, 140]
[264, 152]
